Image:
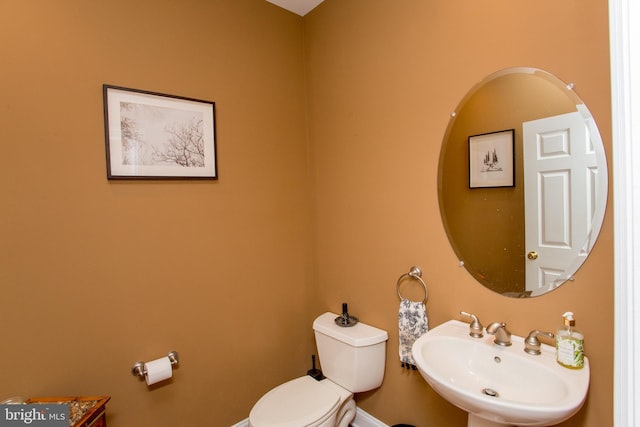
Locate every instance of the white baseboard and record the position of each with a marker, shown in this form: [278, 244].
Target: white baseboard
[362, 419]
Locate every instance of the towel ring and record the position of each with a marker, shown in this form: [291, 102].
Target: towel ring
[414, 273]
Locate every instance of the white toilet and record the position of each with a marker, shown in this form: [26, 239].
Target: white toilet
[352, 359]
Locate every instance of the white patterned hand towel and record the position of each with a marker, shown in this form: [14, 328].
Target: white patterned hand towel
[412, 324]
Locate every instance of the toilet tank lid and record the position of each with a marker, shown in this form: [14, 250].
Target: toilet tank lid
[359, 335]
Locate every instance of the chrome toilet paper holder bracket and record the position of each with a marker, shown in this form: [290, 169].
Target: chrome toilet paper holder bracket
[139, 370]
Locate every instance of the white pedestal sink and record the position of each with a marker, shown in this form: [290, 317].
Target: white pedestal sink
[499, 386]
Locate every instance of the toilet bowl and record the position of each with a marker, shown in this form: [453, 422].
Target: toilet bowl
[352, 359]
[304, 402]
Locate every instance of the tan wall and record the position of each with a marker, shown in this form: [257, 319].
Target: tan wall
[96, 275]
[383, 78]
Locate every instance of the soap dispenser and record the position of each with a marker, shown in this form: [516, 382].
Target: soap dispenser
[570, 344]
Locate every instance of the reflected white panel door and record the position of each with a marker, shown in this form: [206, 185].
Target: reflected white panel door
[559, 179]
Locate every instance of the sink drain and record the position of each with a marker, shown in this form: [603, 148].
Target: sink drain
[490, 392]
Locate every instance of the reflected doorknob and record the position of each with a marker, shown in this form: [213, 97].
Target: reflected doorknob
[532, 255]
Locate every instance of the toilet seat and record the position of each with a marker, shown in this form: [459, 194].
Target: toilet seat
[301, 402]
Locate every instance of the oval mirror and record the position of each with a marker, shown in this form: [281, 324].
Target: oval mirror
[522, 182]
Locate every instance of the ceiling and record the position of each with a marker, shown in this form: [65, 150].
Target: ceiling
[300, 7]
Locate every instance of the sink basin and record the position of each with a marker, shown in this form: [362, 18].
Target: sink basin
[498, 385]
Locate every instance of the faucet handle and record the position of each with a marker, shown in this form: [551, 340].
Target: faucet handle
[475, 328]
[532, 343]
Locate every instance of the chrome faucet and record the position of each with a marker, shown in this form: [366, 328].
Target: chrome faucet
[499, 329]
[532, 343]
[475, 327]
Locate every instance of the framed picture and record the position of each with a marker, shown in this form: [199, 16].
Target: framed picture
[156, 136]
[491, 160]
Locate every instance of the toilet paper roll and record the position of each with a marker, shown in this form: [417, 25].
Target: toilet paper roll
[157, 370]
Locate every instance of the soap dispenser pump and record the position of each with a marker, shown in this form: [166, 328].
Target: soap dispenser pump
[570, 344]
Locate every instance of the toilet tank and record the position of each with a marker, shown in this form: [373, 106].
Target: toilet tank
[352, 357]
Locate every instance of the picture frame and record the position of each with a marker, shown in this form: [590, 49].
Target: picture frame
[492, 159]
[152, 135]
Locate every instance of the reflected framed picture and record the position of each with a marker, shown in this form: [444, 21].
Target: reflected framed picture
[152, 135]
[492, 160]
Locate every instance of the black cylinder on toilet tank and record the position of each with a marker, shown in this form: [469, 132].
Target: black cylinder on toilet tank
[346, 320]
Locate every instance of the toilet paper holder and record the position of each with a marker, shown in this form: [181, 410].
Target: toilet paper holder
[138, 369]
